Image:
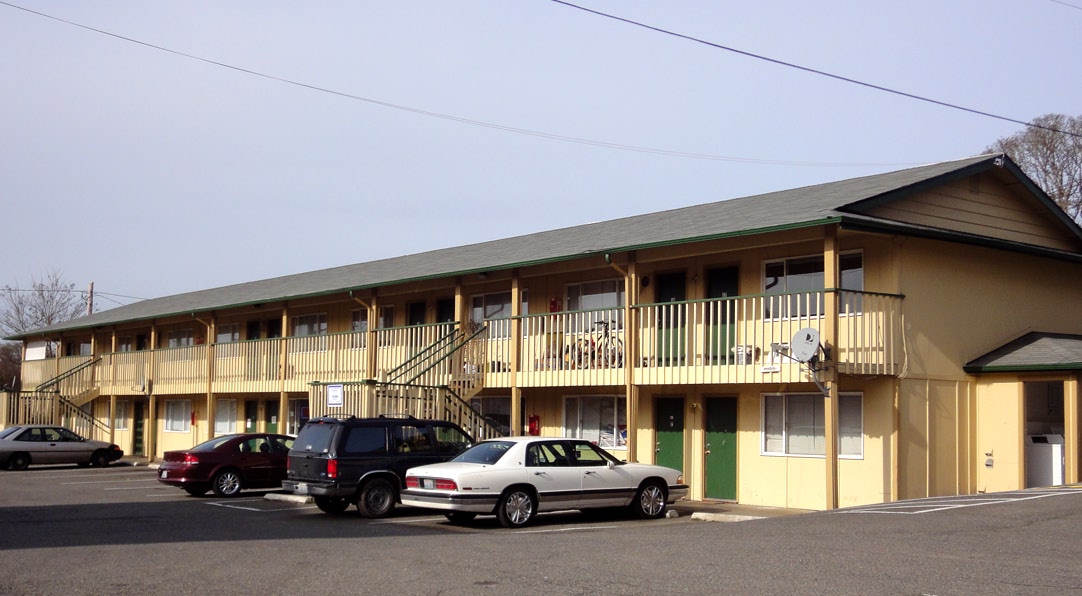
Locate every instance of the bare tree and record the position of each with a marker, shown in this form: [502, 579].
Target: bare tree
[10, 362]
[1052, 159]
[47, 301]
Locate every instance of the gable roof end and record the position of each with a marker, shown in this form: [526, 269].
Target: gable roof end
[1035, 351]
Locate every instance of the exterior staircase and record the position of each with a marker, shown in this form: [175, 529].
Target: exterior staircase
[413, 389]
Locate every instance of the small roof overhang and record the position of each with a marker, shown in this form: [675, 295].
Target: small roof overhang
[1036, 351]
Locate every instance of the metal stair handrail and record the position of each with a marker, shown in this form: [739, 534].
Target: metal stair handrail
[429, 351]
[439, 357]
[55, 381]
[83, 420]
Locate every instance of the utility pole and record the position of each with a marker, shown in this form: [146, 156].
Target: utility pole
[90, 300]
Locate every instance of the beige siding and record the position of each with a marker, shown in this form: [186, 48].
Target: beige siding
[981, 206]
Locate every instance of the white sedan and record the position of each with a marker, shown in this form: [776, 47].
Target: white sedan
[517, 477]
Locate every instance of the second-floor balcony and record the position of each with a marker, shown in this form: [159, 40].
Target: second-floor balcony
[719, 341]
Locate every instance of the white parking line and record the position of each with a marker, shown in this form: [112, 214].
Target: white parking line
[412, 520]
[934, 504]
[231, 506]
[573, 529]
[83, 474]
[108, 481]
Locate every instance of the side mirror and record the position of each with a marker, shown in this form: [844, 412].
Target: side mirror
[610, 464]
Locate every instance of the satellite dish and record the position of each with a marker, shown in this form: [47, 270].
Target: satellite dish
[805, 344]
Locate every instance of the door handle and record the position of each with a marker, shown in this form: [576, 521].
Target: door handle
[658, 448]
[708, 448]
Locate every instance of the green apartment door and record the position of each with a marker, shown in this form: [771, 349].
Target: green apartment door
[721, 448]
[270, 416]
[721, 320]
[669, 429]
[138, 428]
[672, 326]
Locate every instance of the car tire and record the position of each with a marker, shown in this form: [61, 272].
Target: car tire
[19, 461]
[227, 483]
[99, 459]
[332, 505]
[195, 491]
[460, 517]
[649, 501]
[516, 508]
[376, 498]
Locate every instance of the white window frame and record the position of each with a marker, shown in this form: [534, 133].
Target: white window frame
[573, 416]
[179, 338]
[120, 415]
[776, 422]
[496, 408]
[499, 321]
[225, 424]
[311, 324]
[227, 333]
[791, 306]
[177, 416]
[604, 300]
[359, 327]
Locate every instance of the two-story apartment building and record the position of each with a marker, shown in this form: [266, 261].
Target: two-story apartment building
[900, 335]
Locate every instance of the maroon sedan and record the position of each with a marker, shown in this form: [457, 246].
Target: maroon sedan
[228, 464]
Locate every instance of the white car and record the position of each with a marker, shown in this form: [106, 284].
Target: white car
[26, 444]
[517, 477]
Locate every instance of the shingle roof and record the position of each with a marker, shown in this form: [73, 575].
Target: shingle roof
[812, 205]
[1033, 351]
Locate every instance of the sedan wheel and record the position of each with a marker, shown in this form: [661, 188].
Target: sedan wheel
[227, 483]
[376, 499]
[649, 502]
[100, 459]
[332, 505]
[517, 508]
[19, 461]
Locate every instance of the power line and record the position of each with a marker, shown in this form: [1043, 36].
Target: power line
[1067, 4]
[68, 291]
[815, 71]
[459, 119]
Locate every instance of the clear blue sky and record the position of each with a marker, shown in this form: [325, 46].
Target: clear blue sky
[151, 173]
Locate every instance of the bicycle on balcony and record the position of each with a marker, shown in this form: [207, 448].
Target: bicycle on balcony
[600, 349]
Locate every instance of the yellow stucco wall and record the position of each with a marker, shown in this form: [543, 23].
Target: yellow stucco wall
[800, 482]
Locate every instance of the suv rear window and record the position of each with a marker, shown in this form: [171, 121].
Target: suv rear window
[315, 438]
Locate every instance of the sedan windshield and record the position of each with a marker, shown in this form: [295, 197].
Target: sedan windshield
[9, 431]
[488, 452]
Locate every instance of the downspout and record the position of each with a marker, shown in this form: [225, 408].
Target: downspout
[209, 349]
[631, 350]
[368, 339]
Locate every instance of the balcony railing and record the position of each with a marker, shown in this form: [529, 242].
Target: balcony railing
[725, 340]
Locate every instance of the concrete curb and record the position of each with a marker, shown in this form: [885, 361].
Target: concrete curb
[723, 517]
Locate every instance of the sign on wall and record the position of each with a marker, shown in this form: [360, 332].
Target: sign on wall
[335, 396]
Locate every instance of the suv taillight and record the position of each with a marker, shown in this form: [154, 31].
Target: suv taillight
[332, 468]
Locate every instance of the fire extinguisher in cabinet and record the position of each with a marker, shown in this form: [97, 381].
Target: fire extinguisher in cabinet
[534, 426]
